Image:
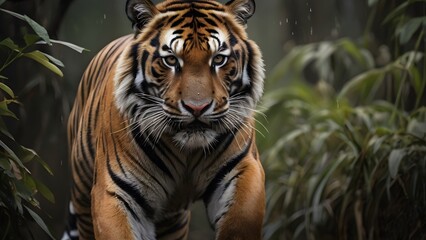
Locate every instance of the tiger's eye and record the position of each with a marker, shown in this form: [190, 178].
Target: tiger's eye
[219, 60]
[171, 61]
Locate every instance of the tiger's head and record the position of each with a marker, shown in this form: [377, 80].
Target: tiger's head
[191, 71]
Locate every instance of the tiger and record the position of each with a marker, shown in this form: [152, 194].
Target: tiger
[165, 117]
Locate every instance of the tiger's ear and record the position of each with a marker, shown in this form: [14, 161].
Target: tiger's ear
[243, 9]
[140, 12]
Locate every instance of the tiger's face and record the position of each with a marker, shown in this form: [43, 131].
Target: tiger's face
[191, 72]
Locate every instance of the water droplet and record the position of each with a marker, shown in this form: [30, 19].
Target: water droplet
[281, 23]
[286, 20]
[310, 9]
[311, 30]
[295, 22]
[292, 33]
[104, 16]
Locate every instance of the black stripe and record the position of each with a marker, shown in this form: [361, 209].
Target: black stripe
[250, 60]
[82, 177]
[174, 228]
[150, 152]
[89, 134]
[177, 22]
[117, 158]
[134, 55]
[232, 39]
[126, 205]
[155, 42]
[172, 18]
[210, 21]
[149, 173]
[179, 31]
[83, 198]
[222, 173]
[131, 190]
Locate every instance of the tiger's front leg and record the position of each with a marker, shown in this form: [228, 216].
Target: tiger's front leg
[112, 221]
[236, 207]
[119, 210]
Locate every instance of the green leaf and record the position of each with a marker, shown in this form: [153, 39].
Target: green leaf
[29, 155]
[7, 42]
[45, 191]
[39, 221]
[5, 164]
[407, 30]
[53, 60]
[41, 31]
[400, 10]
[42, 59]
[38, 29]
[4, 110]
[417, 128]
[353, 50]
[70, 45]
[6, 89]
[30, 39]
[17, 15]
[394, 161]
[13, 155]
[3, 129]
[362, 80]
[3, 77]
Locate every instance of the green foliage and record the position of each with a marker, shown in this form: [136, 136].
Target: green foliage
[18, 188]
[345, 155]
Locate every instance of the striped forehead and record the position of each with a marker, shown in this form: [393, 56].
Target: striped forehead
[178, 42]
[193, 24]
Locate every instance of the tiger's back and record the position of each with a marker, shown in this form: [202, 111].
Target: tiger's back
[164, 118]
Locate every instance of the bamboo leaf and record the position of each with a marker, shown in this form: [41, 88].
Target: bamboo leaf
[7, 42]
[39, 221]
[353, 50]
[53, 60]
[12, 155]
[29, 154]
[417, 128]
[45, 191]
[17, 15]
[5, 164]
[400, 10]
[407, 30]
[42, 59]
[3, 129]
[4, 110]
[38, 29]
[394, 161]
[3, 77]
[358, 82]
[30, 39]
[6, 89]
[70, 45]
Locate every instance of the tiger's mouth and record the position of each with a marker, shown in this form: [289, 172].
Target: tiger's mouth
[195, 134]
[196, 126]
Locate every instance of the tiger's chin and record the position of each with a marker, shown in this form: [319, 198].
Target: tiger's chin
[192, 139]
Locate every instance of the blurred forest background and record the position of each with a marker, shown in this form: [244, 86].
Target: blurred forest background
[343, 135]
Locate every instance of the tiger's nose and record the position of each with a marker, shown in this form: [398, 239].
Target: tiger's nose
[196, 108]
